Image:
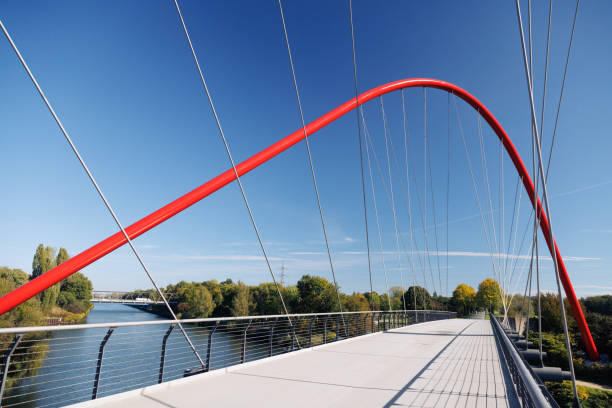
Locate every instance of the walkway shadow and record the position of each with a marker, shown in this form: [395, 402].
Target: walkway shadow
[405, 388]
[160, 402]
[442, 334]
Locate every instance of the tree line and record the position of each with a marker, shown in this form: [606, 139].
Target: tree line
[69, 300]
[71, 296]
[311, 294]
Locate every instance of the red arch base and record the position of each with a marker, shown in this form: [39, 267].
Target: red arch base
[113, 242]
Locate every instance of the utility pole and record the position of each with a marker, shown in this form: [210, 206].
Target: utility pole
[282, 274]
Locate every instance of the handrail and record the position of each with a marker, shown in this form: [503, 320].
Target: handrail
[521, 374]
[32, 329]
[62, 368]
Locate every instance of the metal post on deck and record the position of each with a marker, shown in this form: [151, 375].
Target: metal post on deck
[94, 392]
[162, 359]
[365, 324]
[292, 334]
[6, 361]
[310, 331]
[337, 328]
[209, 349]
[325, 329]
[272, 336]
[244, 339]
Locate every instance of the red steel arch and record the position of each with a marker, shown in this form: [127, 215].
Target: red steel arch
[113, 242]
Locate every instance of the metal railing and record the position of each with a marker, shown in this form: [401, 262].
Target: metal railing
[530, 390]
[59, 365]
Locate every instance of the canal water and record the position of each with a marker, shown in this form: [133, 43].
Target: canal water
[131, 358]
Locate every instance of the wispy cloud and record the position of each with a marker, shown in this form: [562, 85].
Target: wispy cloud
[471, 254]
[216, 257]
[585, 188]
[603, 231]
[148, 246]
[594, 287]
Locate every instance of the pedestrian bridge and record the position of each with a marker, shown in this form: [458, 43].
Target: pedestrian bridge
[449, 363]
[419, 358]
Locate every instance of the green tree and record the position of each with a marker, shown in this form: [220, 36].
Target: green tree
[241, 302]
[266, 300]
[214, 288]
[599, 304]
[384, 301]
[75, 293]
[291, 295]
[228, 291]
[356, 302]
[520, 304]
[27, 313]
[62, 256]
[463, 299]
[423, 298]
[317, 295]
[44, 260]
[373, 299]
[397, 298]
[194, 300]
[488, 295]
[16, 276]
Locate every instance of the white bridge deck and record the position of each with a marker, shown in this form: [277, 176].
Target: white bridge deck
[446, 363]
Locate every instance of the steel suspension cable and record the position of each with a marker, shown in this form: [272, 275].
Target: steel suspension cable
[433, 207]
[412, 245]
[483, 160]
[502, 226]
[399, 260]
[546, 202]
[382, 251]
[467, 156]
[382, 178]
[409, 211]
[231, 160]
[507, 249]
[425, 240]
[516, 212]
[569, 50]
[363, 190]
[448, 158]
[98, 189]
[312, 171]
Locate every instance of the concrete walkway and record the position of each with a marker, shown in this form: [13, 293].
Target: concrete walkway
[447, 363]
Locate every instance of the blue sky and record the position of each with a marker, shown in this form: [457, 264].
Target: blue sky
[121, 77]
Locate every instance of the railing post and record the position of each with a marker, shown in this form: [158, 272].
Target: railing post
[6, 361]
[209, 349]
[325, 329]
[244, 338]
[378, 322]
[272, 336]
[310, 331]
[365, 323]
[337, 327]
[293, 333]
[162, 359]
[94, 393]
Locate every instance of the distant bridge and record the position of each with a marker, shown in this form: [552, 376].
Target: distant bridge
[122, 297]
[139, 301]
